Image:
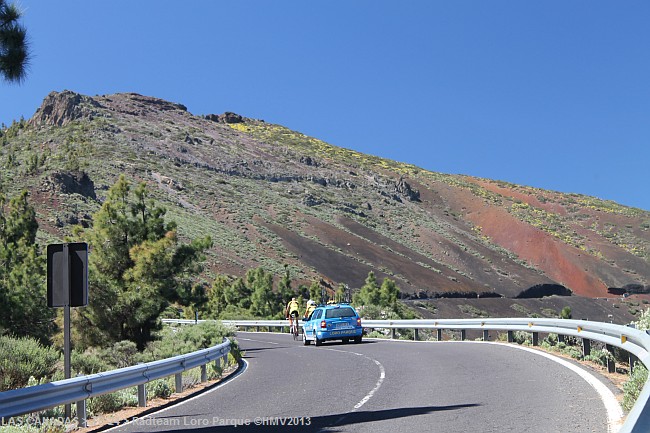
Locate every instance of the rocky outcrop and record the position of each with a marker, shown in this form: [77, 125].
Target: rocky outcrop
[154, 103]
[309, 161]
[61, 108]
[226, 117]
[403, 188]
[310, 200]
[70, 183]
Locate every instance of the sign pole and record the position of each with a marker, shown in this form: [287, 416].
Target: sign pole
[67, 286]
[66, 322]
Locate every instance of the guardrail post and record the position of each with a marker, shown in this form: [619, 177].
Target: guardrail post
[179, 382]
[611, 365]
[535, 339]
[586, 347]
[257, 328]
[560, 338]
[204, 374]
[439, 334]
[142, 395]
[416, 335]
[224, 361]
[81, 414]
[511, 336]
[486, 335]
[633, 361]
[392, 333]
[463, 335]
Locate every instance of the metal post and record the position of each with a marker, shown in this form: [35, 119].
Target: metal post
[560, 338]
[511, 336]
[486, 335]
[179, 382]
[535, 338]
[586, 347]
[142, 395]
[81, 414]
[439, 334]
[463, 334]
[66, 323]
[416, 335]
[611, 365]
[392, 333]
[633, 361]
[204, 374]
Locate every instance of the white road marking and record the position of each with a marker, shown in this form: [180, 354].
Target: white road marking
[612, 407]
[257, 341]
[382, 376]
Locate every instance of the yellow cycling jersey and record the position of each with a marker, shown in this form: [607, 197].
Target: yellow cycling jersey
[310, 309]
[292, 306]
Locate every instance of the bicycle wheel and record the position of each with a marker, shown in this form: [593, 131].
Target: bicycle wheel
[295, 328]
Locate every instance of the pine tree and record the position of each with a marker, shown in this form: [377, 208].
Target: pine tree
[369, 293]
[216, 304]
[388, 293]
[24, 309]
[285, 291]
[315, 291]
[14, 49]
[260, 284]
[137, 268]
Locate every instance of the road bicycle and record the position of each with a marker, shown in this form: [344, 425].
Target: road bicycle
[294, 327]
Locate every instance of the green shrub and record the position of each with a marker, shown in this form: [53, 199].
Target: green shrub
[159, 389]
[29, 425]
[521, 337]
[186, 339]
[88, 362]
[121, 354]
[112, 402]
[644, 320]
[600, 357]
[565, 313]
[632, 388]
[21, 358]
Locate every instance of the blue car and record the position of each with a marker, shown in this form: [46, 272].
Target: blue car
[332, 322]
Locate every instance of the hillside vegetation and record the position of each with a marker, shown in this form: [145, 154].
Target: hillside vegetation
[272, 198]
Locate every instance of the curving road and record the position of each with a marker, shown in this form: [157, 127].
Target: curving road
[388, 386]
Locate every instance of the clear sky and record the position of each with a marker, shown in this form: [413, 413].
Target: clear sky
[550, 94]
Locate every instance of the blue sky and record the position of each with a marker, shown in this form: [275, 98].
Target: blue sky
[552, 94]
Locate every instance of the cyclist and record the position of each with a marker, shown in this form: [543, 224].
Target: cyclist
[311, 306]
[291, 312]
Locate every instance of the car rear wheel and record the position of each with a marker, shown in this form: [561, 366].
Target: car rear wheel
[357, 340]
[318, 341]
[304, 338]
[346, 340]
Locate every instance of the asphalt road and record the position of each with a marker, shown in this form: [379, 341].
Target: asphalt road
[384, 386]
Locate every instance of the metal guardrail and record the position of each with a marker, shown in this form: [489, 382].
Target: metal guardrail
[632, 340]
[78, 389]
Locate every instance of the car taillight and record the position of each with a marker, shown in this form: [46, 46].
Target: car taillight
[358, 321]
[323, 324]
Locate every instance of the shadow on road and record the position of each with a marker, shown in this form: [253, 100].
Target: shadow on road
[335, 422]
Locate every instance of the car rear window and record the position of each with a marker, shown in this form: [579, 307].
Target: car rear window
[339, 312]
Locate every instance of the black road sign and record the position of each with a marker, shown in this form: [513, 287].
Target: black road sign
[67, 275]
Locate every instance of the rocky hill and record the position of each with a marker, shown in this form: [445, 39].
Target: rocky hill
[270, 196]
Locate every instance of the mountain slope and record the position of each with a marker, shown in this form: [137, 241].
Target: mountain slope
[270, 196]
